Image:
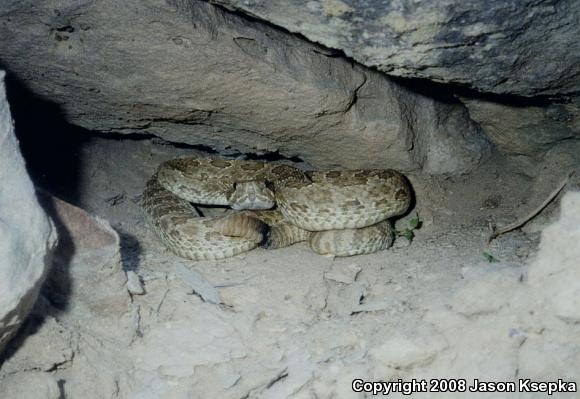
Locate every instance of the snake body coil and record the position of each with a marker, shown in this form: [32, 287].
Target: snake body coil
[340, 213]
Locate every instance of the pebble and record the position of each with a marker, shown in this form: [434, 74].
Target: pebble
[134, 284]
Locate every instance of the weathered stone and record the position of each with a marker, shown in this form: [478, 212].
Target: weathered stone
[519, 47]
[26, 233]
[525, 129]
[554, 280]
[87, 267]
[404, 353]
[191, 72]
[447, 140]
[555, 274]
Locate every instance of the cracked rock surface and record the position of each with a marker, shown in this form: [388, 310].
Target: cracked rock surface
[525, 48]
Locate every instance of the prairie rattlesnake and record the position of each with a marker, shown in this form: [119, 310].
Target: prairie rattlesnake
[340, 213]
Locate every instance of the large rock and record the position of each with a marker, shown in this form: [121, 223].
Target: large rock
[541, 138]
[87, 279]
[500, 46]
[553, 349]
[555, 274]
[525, 129]
[503, 324]
[26, 233]
[191, 72]
[85, 320]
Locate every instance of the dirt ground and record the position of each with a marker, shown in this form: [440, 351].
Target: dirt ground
[288, 323]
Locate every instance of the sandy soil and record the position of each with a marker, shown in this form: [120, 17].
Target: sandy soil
[289, 323]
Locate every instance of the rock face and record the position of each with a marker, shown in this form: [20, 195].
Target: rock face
[191, 72]
[541, 138]
[555, 275]
[500, 46]
[554, 281]
[520, 317]
[525, 129]
[26, 233]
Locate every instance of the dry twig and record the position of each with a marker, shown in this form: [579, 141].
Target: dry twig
[495, 232]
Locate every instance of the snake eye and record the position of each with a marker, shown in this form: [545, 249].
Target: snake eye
[235, 185]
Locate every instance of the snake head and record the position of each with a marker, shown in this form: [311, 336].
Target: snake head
[252, 195]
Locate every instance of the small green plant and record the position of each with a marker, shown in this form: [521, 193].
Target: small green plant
[489, 257]
[414, 224]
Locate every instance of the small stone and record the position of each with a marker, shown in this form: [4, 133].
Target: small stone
[403, 353]
[134, 283]
[229, 380]
[343, 273]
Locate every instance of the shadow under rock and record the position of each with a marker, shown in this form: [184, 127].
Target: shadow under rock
[30, 327]
[58, 285]
[49, 144]
[131, 250]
